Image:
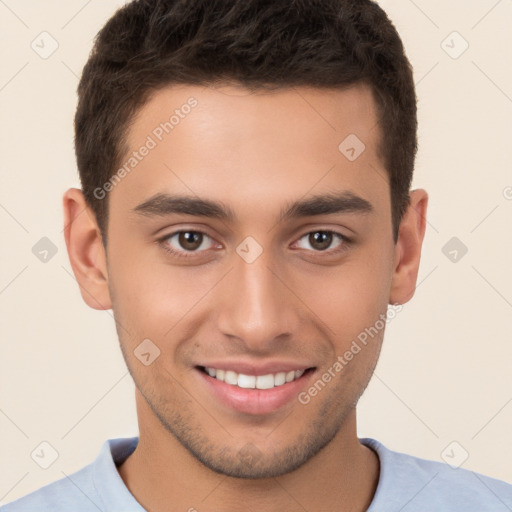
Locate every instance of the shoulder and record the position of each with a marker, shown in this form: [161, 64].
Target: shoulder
[72, 492]
[413, 484]
[96, 486]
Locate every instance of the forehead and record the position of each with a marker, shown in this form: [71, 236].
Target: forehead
[231, 144]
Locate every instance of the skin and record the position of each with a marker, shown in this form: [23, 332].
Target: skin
[256, 153]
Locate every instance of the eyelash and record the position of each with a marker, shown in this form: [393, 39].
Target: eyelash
[345, 241]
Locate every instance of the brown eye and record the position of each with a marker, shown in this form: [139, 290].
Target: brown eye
[183, 242]
[190, 240]
[320, 240]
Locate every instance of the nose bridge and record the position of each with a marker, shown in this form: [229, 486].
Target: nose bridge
[256, 306]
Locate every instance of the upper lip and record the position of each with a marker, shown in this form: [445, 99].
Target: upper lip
[248, 368]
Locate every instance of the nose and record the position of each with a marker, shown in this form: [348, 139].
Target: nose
[256, 306]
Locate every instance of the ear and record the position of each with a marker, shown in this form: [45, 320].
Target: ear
[86, 251]
[408, 248]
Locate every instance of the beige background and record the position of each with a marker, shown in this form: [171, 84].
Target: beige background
[444, 374]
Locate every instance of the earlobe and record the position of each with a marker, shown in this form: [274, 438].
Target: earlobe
[408, 248]
[85, 249]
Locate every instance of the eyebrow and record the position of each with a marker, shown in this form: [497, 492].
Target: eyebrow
[163, 204]
[325, 204]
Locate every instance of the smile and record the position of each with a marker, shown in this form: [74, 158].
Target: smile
[241, 380]
[256, 389]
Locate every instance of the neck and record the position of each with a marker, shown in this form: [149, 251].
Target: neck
[342, 476]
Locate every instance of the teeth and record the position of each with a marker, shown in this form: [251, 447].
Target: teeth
[252, 381]
[265, 381]
[279, 378]
[231, 378]
[246, 381]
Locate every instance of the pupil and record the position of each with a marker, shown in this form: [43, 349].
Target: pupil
[190, 240]
[320, 240]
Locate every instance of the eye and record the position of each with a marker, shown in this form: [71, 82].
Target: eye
[322, 240]
[183, 242]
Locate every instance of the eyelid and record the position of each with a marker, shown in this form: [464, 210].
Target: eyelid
[162, 241]
[345, 241]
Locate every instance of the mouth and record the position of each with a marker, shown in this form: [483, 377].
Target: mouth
[241, 380]
[253, 394]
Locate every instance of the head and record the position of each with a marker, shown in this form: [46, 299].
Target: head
[246, 171]
[151, 44]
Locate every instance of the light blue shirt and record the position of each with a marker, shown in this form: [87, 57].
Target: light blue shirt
[406, 484]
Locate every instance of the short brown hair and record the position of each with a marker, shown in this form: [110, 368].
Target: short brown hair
[149, 44]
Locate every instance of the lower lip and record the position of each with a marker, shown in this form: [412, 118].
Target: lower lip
[255, 401]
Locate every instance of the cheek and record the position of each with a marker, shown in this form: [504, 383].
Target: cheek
[349, 297]
[151, 297]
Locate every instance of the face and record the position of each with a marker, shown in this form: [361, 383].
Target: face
[252, 253]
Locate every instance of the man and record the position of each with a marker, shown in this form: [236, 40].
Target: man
[246, 213]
